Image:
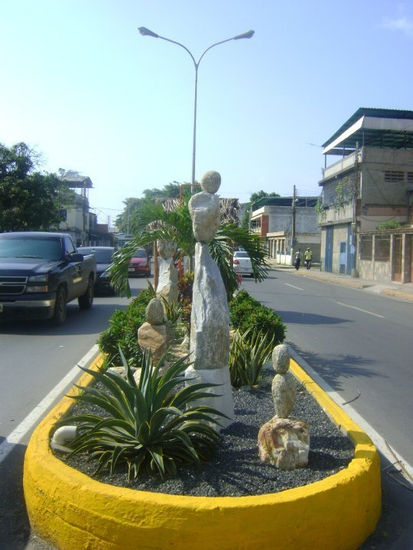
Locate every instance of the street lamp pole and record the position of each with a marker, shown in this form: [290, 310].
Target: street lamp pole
[146, 32]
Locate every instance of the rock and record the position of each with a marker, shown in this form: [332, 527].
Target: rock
[153, 338]
[211, 181]
[284, 443]
[154, 312]
[284, 387]
[204, 210]
[168, 281]
[166, 249]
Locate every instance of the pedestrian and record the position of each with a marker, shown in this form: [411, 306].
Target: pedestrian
[308, 256]
[297, 259]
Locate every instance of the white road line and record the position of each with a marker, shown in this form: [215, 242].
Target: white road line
[293, 286]
[33, 417]
[391, 454]
[362, 310]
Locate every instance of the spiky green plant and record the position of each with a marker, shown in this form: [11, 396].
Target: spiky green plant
[248, 353]
[151, 425]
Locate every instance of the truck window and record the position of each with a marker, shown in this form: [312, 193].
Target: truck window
[45, 249]
[69, 247]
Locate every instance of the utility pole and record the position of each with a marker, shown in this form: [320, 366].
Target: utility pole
[293, 217]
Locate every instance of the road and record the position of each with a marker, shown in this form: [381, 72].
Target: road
[34, 359]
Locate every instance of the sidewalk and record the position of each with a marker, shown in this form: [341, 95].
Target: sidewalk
[397, 290]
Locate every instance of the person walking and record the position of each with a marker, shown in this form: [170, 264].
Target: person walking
[308, 256]
[297, 260]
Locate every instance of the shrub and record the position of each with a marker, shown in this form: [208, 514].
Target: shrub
[151, 426]
[122, 331]
[248, 353]
[246, 313]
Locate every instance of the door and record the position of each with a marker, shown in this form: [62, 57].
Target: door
[343, 257]
[397, 258]
[328, 260]
[350, 250]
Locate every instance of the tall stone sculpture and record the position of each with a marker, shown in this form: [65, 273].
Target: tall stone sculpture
[209, 343]
[168, 274]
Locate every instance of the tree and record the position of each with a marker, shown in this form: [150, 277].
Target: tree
[29, 200]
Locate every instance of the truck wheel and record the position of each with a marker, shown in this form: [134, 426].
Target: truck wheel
[86, 301]
[59, 315]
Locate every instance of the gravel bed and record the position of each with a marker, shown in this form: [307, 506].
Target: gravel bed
[236, 469]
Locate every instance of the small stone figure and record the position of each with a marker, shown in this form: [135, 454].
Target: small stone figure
[168, 274]
[284, 442]
[284, 387]
[209, 342]
[152, 334]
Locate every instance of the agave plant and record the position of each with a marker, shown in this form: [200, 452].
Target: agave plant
[249, 352]
[151, 425]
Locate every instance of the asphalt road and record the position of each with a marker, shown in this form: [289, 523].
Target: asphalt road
[34, 358]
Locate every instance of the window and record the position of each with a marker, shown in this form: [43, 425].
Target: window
[382, 248]
[69, 248]
[393, 176]
[366, 247]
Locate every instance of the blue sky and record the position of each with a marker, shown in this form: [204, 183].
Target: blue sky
[83, 87]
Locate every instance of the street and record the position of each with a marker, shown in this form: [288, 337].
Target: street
[357, 341]
[34, 359]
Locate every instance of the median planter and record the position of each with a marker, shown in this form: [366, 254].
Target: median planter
[74, 511]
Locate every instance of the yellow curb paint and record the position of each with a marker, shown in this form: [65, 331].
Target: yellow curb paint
[73, 511]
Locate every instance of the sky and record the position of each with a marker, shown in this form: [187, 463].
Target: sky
[87, 91]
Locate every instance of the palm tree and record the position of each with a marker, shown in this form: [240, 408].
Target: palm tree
[171, 220]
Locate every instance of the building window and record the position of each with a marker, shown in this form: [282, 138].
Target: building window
[366, 247]
[410, 178]
[393, 176]
[382, 248]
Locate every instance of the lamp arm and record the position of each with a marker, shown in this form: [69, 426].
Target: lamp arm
[212, 46]
[182, 46]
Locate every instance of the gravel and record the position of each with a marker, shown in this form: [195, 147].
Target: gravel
[236, 469]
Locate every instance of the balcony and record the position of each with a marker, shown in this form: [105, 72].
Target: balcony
[342, 165]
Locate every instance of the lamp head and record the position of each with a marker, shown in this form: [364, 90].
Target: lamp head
[248, 34]
[146, 32]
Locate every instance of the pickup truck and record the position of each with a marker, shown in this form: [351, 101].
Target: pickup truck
[40, 272]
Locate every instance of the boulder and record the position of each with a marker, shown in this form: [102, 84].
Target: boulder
[284, 442]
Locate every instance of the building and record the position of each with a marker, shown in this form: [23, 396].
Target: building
[287, 224]
[370, 185]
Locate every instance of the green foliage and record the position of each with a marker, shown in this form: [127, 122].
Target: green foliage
[29, 200]
[122, 331]
[185, 284]
[248, 353]
[391, 224]
[151, 426]
[247, 313]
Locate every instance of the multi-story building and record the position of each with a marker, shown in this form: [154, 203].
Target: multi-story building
[371, 185]
[286, 224]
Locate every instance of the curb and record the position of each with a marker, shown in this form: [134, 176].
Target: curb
[72, 511]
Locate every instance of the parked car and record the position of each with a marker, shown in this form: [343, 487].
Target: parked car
[40, 272]
[140, 264]
[103, 255]
[242, 263]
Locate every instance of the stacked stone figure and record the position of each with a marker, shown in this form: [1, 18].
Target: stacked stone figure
[152, 334]
[209, 342]
[168, 274]
[283, 441]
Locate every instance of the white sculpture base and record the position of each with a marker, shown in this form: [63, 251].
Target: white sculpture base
[224, 402]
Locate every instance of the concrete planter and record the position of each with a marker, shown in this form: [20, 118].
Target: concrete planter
[72, 511]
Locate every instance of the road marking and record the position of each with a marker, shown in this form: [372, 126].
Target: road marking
[33, 417]
[382, 445]
[362, 310]
[293, 286]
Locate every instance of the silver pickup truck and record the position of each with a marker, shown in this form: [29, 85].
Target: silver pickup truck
[40, 272]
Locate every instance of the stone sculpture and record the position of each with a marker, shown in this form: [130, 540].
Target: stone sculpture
[283, 441]
[284, 387]
[209, 341]
[152, 334]
[168, 274]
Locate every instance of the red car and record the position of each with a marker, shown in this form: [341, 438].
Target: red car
[139, 264]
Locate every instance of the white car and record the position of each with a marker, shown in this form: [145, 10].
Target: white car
[242, 263]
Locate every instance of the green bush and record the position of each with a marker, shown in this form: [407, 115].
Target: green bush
[122, 331]
[247, 313]
[151, 425]
[249, 352]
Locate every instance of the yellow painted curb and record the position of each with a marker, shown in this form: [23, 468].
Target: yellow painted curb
[72, 511]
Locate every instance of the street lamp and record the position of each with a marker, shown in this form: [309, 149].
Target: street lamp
[146, 32]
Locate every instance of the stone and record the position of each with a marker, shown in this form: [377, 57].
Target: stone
[284, 443]
[168, 274]
[204, 210]
[166, 249]
[284, 387]
[211, 181]
[153, 338]
[154, 312]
